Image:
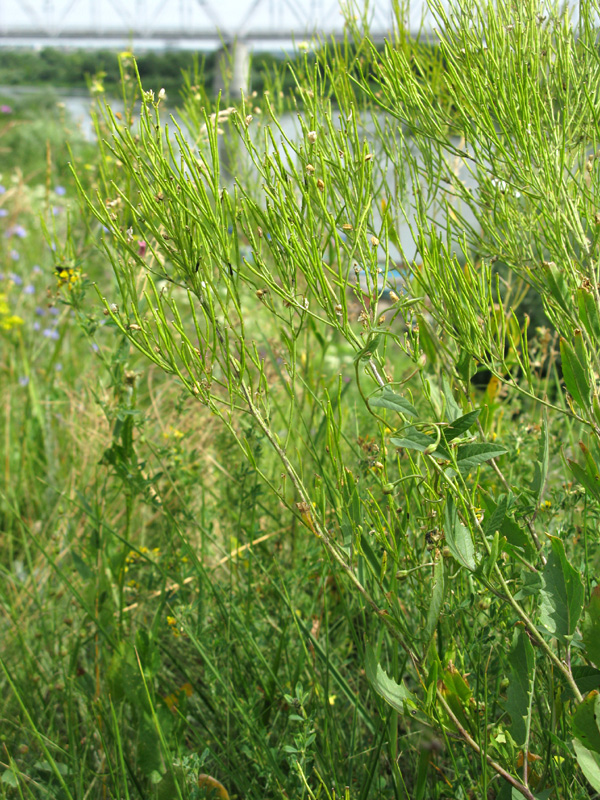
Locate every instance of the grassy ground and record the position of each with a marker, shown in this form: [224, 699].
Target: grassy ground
[170, 626]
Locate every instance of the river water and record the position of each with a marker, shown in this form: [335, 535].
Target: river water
[78, 104]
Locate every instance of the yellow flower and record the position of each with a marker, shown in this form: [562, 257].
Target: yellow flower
[10, 322]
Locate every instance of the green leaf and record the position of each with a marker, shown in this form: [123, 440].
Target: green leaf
[522, 664]
[541, 465]
[574, 374]
[453, 411]
[586, 678]
[461, 425]
[396, 694]
[458, 538]
[393, 401]
[495, 520]
[584, 722]
[413, 439]
[561, 596]
[438, 591]
[588, 313]
[470, 456]
[589, 482]
[591, 627]
[368, 350]
[9, 777]
[557, 285]
[589, 763]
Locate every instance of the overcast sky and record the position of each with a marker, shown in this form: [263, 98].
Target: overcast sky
[168, 15]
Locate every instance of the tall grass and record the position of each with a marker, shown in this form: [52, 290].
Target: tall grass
[309, 509]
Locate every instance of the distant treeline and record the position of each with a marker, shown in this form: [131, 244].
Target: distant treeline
[158, 69]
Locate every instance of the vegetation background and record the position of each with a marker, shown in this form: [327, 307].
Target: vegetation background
[292, 504]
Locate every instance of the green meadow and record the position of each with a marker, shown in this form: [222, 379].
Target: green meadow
[300, 422]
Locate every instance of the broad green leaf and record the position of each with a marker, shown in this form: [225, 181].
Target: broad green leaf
[561, 596]
[453, 411]
[396, 694]
[496, 518]
[389, 399]
[586, 480]
[589, 763]
[588, 313]
[470, 456]
[518, 699]
[557, 285]
[586, 678]
[413, 439]
[591, 627]
[461, 425]
[575, 375]
[436, 604]
[9, 777]
[584, 722]
[458, 538]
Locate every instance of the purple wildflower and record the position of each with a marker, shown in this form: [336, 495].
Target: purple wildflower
[2, 189]
[58, 366]
[3, 212]
[14, 254]
[36, 326]
[142, 245]
[15, 230]
[95, 347]
[16, 279]
[50, 333]
[36, 269]
[60, 190]
[40, 311]
[54, 310]
[29, 289]
[56, 210]
[6, 109]
[24, 380]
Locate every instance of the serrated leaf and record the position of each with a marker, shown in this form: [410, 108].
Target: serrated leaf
[413, 439]
[574, 375]
[458, 538]
[591, 627]
[393, 401]
[522, 663]
[589, 763]
[584, 722]
[461, 425]
[471, 456]
[395, 694]
[561, 596]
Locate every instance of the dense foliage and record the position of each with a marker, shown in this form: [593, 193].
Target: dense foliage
[301, 477]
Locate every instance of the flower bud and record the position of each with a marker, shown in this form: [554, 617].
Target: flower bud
[312, 137]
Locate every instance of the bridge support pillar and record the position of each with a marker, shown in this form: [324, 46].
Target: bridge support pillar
[232, 70]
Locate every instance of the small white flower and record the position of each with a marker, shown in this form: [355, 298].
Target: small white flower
[312, 137]
[162, 95]
[114, 308]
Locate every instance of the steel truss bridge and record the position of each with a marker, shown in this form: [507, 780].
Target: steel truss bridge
[182, 23]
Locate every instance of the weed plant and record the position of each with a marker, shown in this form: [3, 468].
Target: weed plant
[330, 526]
